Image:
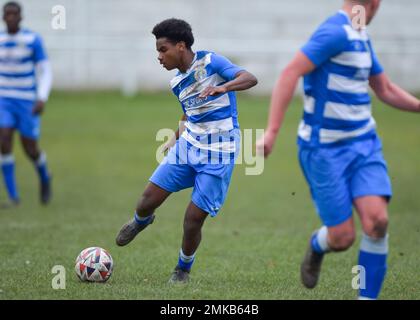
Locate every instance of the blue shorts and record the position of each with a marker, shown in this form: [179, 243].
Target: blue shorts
[338, 175]
[17, 114]
[210, 181]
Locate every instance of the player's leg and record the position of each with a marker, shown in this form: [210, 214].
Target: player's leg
[39, 159]
[193, 222]
[152, 197]
[327, 239]
[374, 245]
[326, 174]
[8, 163]
[371, 189]
[339, 238]
[169, 177]
[29, 128]
[210, 191]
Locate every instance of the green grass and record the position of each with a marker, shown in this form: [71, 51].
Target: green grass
[101, 149]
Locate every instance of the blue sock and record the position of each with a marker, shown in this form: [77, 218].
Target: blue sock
[8, 168]
[185, 262]
[319, 241]
[372, 256]
[142, 220]
[41, 166]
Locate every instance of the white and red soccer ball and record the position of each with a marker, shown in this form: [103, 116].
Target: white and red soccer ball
[94, 264]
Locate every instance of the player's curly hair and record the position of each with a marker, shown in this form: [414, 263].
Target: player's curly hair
[12, 4]
[175, 30]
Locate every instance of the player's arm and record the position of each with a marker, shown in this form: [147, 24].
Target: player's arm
[243, 80]
[43, 75]
[181, 127]
[327, 41]
[280, 99]
[171, 142]
[391, 94]
[237, 79]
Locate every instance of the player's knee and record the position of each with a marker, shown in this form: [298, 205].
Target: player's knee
[32, 152]
[378, 225]
[190, 227]
[342, 241]
[33, 155]
[192, 223]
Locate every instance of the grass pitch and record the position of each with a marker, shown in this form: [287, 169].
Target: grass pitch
[101, 149]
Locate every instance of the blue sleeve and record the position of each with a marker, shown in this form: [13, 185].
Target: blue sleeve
[39, 51]
[224, 67]
[327, 41]
[376, 66]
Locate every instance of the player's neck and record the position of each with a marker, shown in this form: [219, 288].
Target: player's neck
[348, 9]
[187, 60]
[13, 31]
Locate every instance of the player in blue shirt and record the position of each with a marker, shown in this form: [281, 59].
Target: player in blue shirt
[339, 150]
[25, 83]
[205, 147]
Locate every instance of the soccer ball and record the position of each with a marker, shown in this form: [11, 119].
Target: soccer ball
[94, 264]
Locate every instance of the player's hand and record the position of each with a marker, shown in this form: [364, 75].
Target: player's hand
[169, 145]
[212, 91]
[166, 148]
[38, 108]
[265, 144]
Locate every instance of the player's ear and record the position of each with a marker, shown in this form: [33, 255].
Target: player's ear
[181, 46]
[374, 5]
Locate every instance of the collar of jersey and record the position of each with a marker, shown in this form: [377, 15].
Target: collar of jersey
[345, 14]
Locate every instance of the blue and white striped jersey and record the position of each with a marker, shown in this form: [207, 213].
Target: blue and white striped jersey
[337, 105]
[19, 53]
[210, 121]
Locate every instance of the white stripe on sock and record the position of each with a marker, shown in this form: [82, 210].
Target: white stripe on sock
[141, 219]
[322, 238]
[186, 258]
[42, 159]
[372, 245]
[7, 158]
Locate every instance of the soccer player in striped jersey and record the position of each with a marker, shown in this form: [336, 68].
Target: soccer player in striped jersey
[340, 152]
[205, 149]
[25, 83]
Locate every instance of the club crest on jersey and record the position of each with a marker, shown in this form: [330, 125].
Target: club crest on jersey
[200, 73]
